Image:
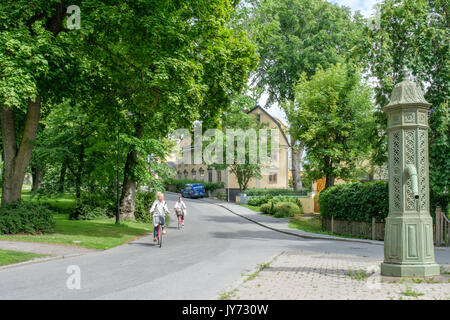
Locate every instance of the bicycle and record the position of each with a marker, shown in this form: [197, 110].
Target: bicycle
[180, 225]
[160, 232]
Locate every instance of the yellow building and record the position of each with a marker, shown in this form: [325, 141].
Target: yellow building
[272, 177]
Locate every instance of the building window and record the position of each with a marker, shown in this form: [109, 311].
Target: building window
[194, 174]
[179, 175]
[273, 178]
[219, 176]
[210, 175]
[202, 174]
[185, 174]
[258, 117]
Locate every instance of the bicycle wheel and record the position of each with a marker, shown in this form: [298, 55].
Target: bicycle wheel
[157, 234]
[160, 235]
[179, 222]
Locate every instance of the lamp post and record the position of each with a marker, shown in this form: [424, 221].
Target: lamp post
[408, 242]
[117, 174]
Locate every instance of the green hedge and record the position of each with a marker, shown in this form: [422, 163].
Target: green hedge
[273, 192]
[259, 200]
[179, 184]
[356, 201]
[26, 217]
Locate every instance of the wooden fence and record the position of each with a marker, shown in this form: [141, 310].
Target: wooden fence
[364, 230]
[441, 228]
[375, 230]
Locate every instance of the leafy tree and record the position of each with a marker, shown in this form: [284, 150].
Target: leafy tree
[250, 167]
[29, 58]
[295, 37]
[141, 67]
[414, 33]
[183, 62]
[333, 119]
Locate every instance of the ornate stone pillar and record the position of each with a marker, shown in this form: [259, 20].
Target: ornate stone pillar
[408, 244]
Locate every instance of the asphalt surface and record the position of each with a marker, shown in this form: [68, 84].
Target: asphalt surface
[198, 262]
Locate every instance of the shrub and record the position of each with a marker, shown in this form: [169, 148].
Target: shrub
[26, 217]
[356, 201]
[293, 200]
[95, 205]
[222, 196]
[91, 212]
[259, 200]
[286, 209]
[267, 208]
[272, 192]
[143, 203]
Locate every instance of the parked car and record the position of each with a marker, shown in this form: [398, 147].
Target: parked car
[193, 190]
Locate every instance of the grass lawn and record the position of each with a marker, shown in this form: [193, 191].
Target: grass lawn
[254, 208]
[11, 257]
[306, 223]
[95, 234]
[62, 202]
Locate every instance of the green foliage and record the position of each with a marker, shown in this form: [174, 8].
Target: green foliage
[267, 208]
[90, 212]
[272, 192]
[246, 128]
[143, 202]
[11, 257]
[268, 202]
[180, 184]
[26, 217]
[286, 209]
[259, 200]
[137, 70]
[294, 37]
[439, 151]
[355, 201]
[414, 33]
[222, 196]
[293, 200]
[332, 116]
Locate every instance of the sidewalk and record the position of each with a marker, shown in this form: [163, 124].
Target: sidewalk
[304, 275]
[282, 225]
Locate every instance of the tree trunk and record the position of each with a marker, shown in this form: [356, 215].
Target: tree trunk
[127, 199]
[78, 181]
[296, 158]
[329, 181]
[16, 160]
[37, 172]
[62, 177]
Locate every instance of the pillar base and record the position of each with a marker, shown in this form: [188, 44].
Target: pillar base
[410, 270]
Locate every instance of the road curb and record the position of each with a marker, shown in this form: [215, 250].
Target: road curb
[316, 237]
[38, 260]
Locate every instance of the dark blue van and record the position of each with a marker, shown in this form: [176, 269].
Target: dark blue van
[193, 190]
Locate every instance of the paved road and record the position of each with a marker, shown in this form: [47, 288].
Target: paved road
[198, 262]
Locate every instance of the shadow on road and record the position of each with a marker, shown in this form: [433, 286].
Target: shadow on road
[262, 235]
[144, 244]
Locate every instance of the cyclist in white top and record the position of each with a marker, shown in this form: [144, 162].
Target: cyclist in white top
[159, 209]
[180, 209]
